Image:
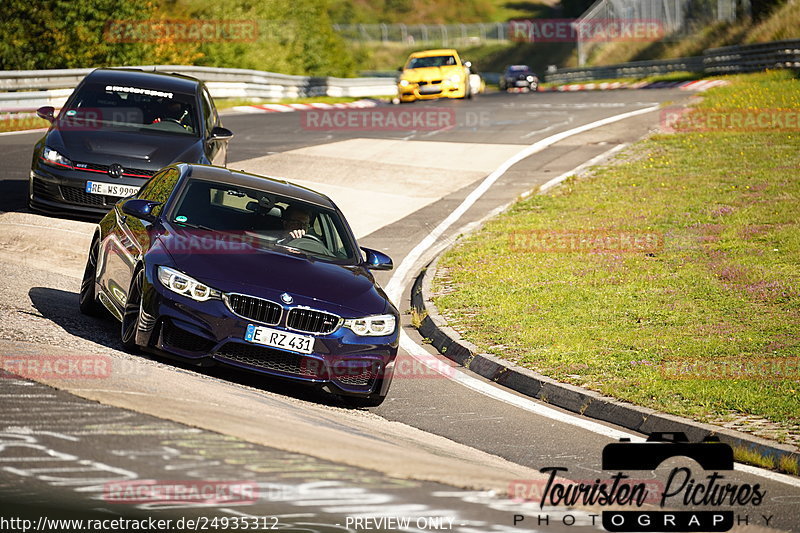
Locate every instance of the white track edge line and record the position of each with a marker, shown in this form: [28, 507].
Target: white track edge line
[394, 290]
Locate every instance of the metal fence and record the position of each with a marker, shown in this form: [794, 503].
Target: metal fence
[676, 17]
[414, 34]
[727, 60]
[26, 89]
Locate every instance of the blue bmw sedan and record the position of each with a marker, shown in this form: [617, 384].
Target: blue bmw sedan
[216, 266]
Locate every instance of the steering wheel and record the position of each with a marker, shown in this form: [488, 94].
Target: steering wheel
[308, 236]
[312, 237]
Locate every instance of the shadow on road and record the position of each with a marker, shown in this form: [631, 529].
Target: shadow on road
[61, 307]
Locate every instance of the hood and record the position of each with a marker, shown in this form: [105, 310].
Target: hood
[416, 75]
[346, 290]
[128, 148]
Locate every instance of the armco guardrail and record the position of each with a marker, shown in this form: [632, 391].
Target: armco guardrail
[626, 70]
[753, 57]
[727, 60]
[26, 89]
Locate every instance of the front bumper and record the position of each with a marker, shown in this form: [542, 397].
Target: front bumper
[63, 191]
[430, 91]
[209, 333]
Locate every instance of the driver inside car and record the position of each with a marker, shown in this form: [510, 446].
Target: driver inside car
[173, 112]
[296, 221]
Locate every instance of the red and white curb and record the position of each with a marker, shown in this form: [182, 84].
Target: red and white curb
[286, 108]
[697, 85]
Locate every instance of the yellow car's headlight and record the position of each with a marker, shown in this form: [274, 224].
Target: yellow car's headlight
[403, 83]
[455, 78]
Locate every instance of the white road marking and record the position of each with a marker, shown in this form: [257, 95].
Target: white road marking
[394, 289]
[773, 476]
[491, 390]
[19, 132]
[395, 286]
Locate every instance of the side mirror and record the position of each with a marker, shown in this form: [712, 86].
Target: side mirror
[220, 134]
[468, 64]
[377, 260]
[141, 209]
[47, 112]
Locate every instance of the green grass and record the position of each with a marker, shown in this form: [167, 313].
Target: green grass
[724, 287]
[11, 123]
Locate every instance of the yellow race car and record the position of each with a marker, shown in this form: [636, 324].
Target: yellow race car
[434, 74]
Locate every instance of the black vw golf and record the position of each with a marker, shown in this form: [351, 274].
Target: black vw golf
[116, 130]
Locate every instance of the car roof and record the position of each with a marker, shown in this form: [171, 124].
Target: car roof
[437, 52]
[519, 67]
[254, 181]
[160, 81]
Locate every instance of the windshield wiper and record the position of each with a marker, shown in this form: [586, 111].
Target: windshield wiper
[193, 226]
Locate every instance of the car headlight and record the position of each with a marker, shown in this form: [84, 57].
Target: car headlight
[530, 78]
[186, 285]
[51, 157]
[372, 326]
[455, 78]
[403, 83]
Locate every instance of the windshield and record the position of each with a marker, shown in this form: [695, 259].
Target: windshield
[140, 108]
[265, 220]
[433, 61]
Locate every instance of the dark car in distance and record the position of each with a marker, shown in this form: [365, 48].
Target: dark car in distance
[115, 131]
[214, 266]
[518, 77]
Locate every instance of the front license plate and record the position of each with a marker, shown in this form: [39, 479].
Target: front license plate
[430, 89]
[279, 339]
[522, 84]
[111, 189]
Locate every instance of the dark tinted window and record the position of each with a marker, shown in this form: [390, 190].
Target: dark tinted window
[209, 112]
[264, 219]
[434, 61]
[103, 106]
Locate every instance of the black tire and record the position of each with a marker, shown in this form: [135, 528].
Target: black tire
[87, 298]
[133, 312]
